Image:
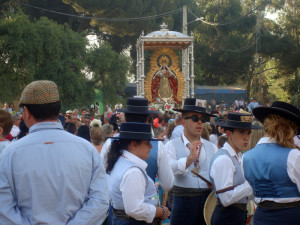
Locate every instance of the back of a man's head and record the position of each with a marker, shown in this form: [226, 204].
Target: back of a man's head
[41, 98]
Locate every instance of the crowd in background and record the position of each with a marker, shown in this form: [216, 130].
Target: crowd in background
[88, 124]
[95, 128]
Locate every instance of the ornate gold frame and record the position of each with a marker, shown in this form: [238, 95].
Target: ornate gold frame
[164, 61]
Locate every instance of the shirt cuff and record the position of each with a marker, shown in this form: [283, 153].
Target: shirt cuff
[182, 166]
[151, 214]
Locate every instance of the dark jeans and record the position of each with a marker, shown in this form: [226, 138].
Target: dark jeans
[188, 210]
[289, 216]
[117, 221]
[228, 216]
[110, 215]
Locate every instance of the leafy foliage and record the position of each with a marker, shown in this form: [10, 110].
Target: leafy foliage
[42, 50]
[108, 71]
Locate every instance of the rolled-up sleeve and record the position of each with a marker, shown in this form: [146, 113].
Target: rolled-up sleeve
[133, 191]
[177, 166]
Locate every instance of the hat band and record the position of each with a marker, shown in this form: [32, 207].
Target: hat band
[140, 106]
[238, 124]
[194, 108]
[137, 109]
[132, 132]
[135, 135]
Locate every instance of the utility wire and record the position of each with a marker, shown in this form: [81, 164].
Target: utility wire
[218, 24]
[107, 19]
[224, 23]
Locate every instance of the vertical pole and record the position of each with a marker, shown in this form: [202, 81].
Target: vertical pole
[188, 71]
[143, 71]
[192, 71]
[137, 71]
[184, 20]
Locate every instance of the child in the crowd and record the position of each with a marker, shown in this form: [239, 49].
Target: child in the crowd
[6, 123]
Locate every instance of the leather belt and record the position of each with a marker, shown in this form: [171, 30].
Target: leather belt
[190, 192]
[123, 216]
[241, 206]
[276, 205]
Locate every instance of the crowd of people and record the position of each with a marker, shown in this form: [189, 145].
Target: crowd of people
[133, 165]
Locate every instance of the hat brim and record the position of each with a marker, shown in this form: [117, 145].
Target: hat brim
[151, 139]
[238, 125]
[197, 111]
[261, 113]
[124, 110]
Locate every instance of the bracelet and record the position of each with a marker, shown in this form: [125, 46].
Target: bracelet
[163, 213]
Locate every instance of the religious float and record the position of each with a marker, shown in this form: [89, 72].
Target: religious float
[167, 81]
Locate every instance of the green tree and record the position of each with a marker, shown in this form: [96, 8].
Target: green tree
[108, 71]
[224, 49]
[42, 50]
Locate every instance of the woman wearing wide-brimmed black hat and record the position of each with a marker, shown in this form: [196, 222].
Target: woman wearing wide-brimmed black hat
[273, 166]
[133, 193]
[232, 190]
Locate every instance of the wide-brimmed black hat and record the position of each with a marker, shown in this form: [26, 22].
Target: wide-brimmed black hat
[137, 106]
[238, 120]
[279, 108]
[135, 131]
[190, 105]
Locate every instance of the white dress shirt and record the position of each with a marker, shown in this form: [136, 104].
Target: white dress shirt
[293, 170]
[133, 187]
[164, 172]
[213, 138]
[179, 166]
[222, 171]
[15, 130]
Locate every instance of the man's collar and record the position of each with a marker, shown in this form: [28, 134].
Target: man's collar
[45, 126]
[230, 150]
[186, 141]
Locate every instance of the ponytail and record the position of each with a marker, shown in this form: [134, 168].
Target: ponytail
[116, 151]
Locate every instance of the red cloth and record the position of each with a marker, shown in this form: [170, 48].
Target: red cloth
[9, 137]
[156, 123]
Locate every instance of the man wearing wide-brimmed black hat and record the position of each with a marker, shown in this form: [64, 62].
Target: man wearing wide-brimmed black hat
[272, 167]
[186, 153]
[232, 190]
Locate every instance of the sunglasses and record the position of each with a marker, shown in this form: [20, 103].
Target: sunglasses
[196, 118]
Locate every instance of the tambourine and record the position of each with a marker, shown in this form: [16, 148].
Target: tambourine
[211, 203]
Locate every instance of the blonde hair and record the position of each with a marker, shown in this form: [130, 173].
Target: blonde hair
[107, 130]
[281, 130]
[255, 135]
[96, 135]
[96, 122]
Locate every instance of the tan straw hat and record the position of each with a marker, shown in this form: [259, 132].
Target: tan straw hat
[39, 92]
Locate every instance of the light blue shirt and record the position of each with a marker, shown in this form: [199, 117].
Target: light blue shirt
[177, 132]
[52, 177]
[252, 105]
